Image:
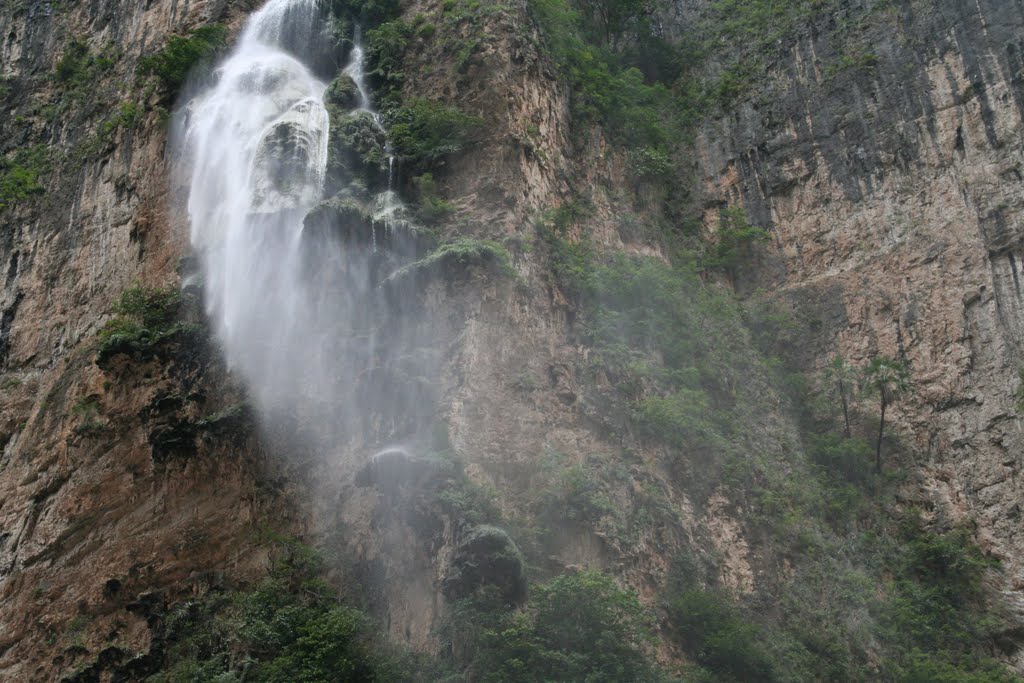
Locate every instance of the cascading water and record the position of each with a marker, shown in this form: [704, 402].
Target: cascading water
[387, 203]
[291, 279]
[257, 142]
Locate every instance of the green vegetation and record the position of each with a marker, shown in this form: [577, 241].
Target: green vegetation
[366, 12]
[20, 174]
[144, 318]
[431, 208]
[289, 627]
[182, 55]
[81, 76]
[735, 239]
[890, 378]
[385, 59]
[1019, 395]
[578, 627]
[424, 132]
[125, 117]
[636, 109]
[719, 638]
[79, 67]
[88, 408]
[456, 259]
[840, 374]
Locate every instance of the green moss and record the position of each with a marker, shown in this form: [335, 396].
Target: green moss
[342, 92]
[181, 55]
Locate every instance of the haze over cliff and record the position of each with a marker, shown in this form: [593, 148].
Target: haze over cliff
[524, 341]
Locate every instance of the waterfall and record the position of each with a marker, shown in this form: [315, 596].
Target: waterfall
[292, 277]
[257, 143]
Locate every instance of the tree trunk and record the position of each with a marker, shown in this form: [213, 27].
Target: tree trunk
[846, 410]
[878, 449]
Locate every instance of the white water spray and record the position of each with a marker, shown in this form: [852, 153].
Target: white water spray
[257, 144]
[291, 281]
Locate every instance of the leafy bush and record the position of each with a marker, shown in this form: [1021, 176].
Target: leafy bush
[289, 627]
[578, 627]
[432, 208]
[734, 240]
[385, 58]
[144, 317]
[182, 55]
[718, 637]
[424, 132]
[607, 89]
[367, 12]
[19, 174]
[456, 259]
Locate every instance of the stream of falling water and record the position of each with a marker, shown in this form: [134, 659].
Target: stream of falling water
[257, 142]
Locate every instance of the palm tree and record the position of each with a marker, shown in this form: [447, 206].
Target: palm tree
[844, 376]
[890, 378]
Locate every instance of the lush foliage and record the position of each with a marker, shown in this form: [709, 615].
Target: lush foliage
[431, 208]
[578, 627]
[735, 239]
[144, 317]
[719, 638]
[424, 132]
[290, 627]
[635, 109]
[20, 174]
[182, 55]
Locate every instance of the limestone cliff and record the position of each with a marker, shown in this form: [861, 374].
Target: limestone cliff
[136, 477]
[883, 150]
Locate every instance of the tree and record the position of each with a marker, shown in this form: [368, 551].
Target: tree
[844, 376]
[890, 378]
[611, 19]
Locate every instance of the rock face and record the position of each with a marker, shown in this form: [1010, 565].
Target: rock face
[893, 189]
[894, 196]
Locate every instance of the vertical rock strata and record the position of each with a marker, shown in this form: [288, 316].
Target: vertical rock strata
[893, 191]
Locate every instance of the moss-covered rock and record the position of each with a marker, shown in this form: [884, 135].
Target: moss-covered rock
[342, 93]
[455, 261]
[342, 216]
[487, 556]
[357, 150]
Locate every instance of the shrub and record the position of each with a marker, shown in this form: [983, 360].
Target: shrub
[19, 175]
[424, 132]
[144, 317]
[455, 260]
[432, 208]
[718, 637]
[578, 627]
[385, 58]
[735, 240]
[287, 628]
[182, 55]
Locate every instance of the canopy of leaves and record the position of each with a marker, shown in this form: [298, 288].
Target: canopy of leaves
[888, 377]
